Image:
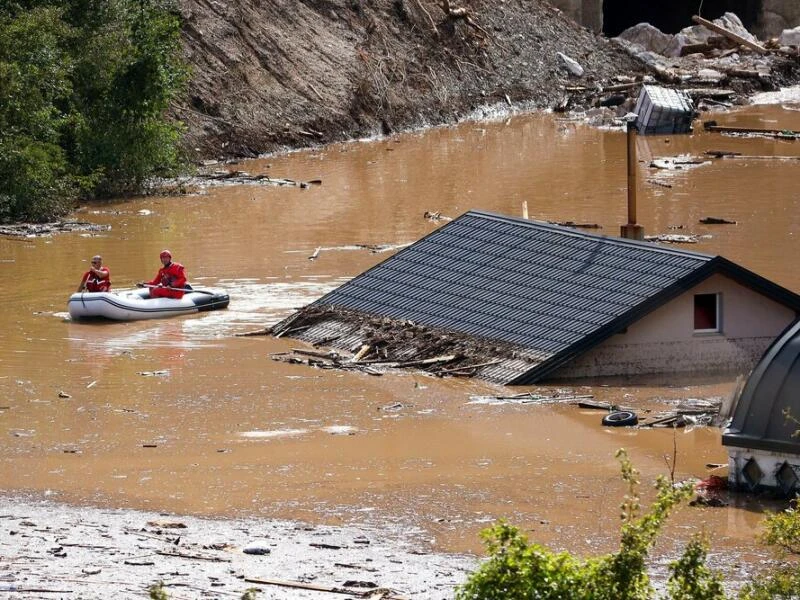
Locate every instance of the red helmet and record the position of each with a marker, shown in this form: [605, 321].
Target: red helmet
[166, 253]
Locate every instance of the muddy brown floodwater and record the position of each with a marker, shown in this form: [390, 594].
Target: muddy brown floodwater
[180, 415]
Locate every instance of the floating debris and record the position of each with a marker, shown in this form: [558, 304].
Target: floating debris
[33, 230]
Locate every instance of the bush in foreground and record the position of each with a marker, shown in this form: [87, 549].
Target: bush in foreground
[521, 570]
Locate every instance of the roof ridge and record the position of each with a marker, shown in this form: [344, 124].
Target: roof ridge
[648, 246]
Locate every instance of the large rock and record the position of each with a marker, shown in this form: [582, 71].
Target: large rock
[790, 37]
[648, 37]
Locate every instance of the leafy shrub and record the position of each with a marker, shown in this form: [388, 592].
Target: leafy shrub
[781, 582]
[783, 529]
[517, 569]
[521, 570]
[690, 577]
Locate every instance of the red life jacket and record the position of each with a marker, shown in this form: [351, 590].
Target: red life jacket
[95, 283]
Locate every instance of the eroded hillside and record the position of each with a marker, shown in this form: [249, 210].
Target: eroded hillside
[268, 75]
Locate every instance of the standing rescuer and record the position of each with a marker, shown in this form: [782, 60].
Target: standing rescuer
[170, 281]
[97, 278]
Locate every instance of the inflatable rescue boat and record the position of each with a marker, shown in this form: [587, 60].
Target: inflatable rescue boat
[132, 305]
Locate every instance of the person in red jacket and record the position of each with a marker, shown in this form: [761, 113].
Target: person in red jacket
[97, 278]
[170, 281]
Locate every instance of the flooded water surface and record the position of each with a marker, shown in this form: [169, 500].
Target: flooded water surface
[182, 415]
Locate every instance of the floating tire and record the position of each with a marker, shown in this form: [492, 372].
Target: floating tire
[621, 418]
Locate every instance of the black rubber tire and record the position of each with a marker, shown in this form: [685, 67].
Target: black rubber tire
[621, 418]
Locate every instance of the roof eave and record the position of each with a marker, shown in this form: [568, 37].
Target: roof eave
[716, 264]
[752, 443]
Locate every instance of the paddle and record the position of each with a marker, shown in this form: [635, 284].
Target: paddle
[186, 291]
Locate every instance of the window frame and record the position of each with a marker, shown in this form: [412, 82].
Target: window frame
[717, 313]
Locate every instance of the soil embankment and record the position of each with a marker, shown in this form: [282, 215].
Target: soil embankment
[273, 75]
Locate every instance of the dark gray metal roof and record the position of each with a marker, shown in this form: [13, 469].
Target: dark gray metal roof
[773, 386]
[551, 290]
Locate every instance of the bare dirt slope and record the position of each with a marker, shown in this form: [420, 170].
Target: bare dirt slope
[270, 75]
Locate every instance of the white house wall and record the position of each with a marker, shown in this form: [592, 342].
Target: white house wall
[665, 341]
[769, 463]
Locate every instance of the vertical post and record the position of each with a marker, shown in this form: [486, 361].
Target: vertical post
[630, 131]
[631, 230]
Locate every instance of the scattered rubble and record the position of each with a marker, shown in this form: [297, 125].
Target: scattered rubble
[716, 221]
[715, 63]
[375, 345]
[676, 238]
[436, 216]
[577, 225]
[560, 397]
[216, 178]
[783, 134]
[691, 411]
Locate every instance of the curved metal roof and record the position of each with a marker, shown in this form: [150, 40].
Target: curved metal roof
[759, 419]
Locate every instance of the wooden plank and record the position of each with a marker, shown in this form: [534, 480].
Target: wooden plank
[729, 34]
[361, 353]
[467, 367]
[323, 588]
[728, 129]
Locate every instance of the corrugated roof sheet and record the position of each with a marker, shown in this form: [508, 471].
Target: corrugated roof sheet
[552, 291]
[758, 420]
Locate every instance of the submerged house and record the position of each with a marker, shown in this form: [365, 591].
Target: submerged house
[562, 303]
[763, 450]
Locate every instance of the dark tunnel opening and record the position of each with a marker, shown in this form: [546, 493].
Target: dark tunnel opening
[671, 17]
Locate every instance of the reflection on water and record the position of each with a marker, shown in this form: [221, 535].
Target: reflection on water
[183, 415]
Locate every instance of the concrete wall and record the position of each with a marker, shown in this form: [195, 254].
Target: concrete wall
[665, 341]
[776, 15]
[588, 13]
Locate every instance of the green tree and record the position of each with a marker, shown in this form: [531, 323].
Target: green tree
[85, 86]
[123, 132]
[35, 175]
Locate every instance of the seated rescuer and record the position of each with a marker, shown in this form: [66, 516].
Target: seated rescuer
[170, 280]
[97, 278]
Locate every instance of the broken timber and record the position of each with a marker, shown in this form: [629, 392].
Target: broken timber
[784, 133]
[394, 344]
[325, 588]
[729, 34]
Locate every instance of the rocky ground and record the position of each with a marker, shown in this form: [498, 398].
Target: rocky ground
[49, 550]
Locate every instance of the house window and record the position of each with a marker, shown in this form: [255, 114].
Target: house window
[706, 312]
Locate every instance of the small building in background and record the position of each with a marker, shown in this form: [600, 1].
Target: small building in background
[763, 450]
[555, 303]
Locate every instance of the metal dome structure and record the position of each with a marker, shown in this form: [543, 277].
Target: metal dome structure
[762, 439]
